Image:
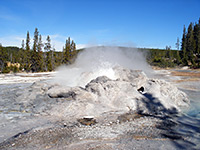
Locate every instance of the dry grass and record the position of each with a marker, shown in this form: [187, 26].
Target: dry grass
[159, 68]
[187, 80]
[187, 74]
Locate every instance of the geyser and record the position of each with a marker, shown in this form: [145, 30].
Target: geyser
[99, 61]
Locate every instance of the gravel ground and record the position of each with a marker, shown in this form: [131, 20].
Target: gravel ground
[112, 131]
[141, 133]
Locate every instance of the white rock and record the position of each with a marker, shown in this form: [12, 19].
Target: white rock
[103, 95]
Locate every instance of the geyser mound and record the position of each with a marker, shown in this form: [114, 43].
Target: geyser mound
[131, 91]
[100, 61]
[106, 80]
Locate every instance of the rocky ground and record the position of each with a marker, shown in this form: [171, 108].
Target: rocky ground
[131, 112]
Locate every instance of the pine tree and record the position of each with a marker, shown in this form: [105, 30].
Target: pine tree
[67, 52]
[37, 58]
[48, 44]
[198, 36]
[68, 49]
[48, 59]
[4, 57]
[40, 54]
[34, 57]
[21, 55]
[178, 58]
[169, 55]
[190, 46]
[27, 53]
[198, 45]
[23, 45]
[177, 44]
[28, 42]
[53, 58]
[2, 61]
[195, 35]
[183, 48]
[40, 44]
[73, 50]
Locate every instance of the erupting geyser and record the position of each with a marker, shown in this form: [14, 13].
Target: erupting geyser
[100, 61]
[107, 79]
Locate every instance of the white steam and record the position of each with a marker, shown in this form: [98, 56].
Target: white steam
[99, 61]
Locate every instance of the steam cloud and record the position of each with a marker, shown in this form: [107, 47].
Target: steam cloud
[99, 61]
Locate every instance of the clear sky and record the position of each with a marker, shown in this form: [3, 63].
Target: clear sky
[140, 23]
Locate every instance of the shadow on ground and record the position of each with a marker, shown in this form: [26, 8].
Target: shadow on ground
[182, 130]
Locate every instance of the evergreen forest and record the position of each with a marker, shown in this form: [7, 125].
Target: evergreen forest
[43, 57]
[187, 53]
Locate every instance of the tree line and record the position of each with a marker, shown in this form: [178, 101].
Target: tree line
[190, 47]
[188, 55]
[41, 57]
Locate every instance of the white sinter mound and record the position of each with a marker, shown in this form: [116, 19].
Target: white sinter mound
[104, 80]
[130, 91]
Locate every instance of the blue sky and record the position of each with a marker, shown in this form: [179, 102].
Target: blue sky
[140, 23]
